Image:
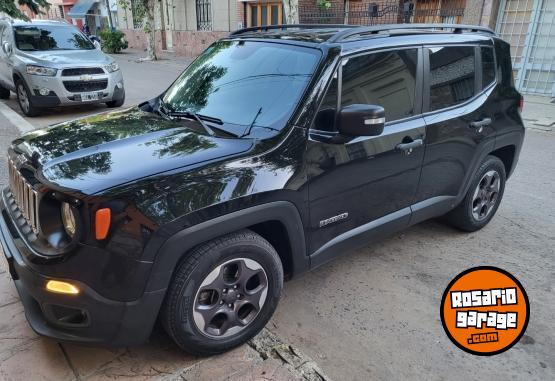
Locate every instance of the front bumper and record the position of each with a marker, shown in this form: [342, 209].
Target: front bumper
[59, 94]
[87, 317]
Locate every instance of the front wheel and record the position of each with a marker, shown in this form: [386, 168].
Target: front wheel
[482, 198]
[26, 104]
[223, 293]
[116, 102]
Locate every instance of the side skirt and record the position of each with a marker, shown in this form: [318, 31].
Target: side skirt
[382, 227]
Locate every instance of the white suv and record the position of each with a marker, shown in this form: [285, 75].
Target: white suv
[50, 63]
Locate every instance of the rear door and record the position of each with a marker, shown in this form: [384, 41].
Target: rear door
[359, 184]
[459, 120]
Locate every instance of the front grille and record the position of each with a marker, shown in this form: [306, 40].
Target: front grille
[84, 86]
[81, 70]
[25, 197]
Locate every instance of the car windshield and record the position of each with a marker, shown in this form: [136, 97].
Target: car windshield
[244, 84]
[50, 37]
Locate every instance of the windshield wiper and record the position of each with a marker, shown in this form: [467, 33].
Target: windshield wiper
[191, 115]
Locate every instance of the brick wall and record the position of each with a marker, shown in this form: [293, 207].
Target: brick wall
[185, 43]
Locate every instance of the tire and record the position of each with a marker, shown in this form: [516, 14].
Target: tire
[482, 200]
[202, 302]
[24, 100]
[4, 93]
[116, 102]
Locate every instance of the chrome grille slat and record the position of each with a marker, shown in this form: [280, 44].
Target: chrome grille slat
[25, 197]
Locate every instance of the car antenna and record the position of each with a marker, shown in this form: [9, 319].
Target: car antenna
[253, 122]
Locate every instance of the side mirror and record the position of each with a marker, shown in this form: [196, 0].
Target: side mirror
[361, 120]
[7, 48]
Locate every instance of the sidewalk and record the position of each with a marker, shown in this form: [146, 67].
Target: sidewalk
[539, 113]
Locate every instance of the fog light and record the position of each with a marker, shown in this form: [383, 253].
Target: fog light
[61, 287]
[44, 91]
[119, 85]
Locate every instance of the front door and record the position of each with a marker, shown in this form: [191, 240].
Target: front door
[362, 184]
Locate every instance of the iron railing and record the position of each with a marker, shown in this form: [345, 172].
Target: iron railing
[385, 12]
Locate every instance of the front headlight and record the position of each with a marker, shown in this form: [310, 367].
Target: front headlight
[68, 219]
[40, 70]
[112, 67]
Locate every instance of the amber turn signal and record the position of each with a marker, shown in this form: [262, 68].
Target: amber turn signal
[61, 287]
[102, 223]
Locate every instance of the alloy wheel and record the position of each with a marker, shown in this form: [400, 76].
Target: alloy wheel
[486, 195]
[22, 97]
[230, 297]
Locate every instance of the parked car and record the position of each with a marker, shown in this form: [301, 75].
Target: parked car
[51, 63]
[275, 151]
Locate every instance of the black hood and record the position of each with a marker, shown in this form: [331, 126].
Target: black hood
[102, 151]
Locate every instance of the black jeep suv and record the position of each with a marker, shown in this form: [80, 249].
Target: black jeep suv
[276, 150]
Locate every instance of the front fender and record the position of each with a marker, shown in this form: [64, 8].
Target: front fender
[175, 247]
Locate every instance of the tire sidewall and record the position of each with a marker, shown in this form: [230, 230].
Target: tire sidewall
[32, 109]
[187, 333]
[490, 163]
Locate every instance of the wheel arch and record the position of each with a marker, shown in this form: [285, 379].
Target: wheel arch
[278, 222]
[507, 155]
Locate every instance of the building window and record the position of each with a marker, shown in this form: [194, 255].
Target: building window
[135, 7]
[61, 9]
[261, 14]
[204, 14]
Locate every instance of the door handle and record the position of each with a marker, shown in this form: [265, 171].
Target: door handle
[408, 147]
[480, 124]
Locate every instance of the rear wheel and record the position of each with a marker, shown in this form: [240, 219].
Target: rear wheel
[483, 197]
[4, 93]
[24, 99]
[223, 293]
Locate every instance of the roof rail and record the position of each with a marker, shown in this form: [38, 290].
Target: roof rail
[266, 28]
[376, 29]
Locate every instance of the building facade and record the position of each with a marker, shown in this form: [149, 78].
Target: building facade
[187, 27]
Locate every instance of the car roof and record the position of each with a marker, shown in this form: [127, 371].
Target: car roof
[41, 22]
[356, 36]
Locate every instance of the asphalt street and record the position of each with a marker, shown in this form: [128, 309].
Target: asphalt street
[371, 314]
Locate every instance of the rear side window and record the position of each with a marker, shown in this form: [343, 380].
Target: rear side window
[488, 66]
[387, 79]
[451, 75]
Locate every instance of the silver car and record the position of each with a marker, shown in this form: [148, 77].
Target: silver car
[51, 63]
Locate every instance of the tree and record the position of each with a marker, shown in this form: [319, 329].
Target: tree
[10, 8]
[143, 11]
[291, 11]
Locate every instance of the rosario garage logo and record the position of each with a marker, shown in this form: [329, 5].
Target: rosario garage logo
[485, 310]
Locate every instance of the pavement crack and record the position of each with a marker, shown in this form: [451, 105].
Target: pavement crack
[9, 303]
[68, 360]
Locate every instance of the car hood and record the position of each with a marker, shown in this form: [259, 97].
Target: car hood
[102, 151]
[66, 57]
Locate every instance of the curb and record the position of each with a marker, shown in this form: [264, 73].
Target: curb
[17, 120]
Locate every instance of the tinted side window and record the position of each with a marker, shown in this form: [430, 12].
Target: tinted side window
[488, 66]
[451, 76]
[387, 79]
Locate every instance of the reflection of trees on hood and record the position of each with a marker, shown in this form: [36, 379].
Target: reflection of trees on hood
[80, 134]
[181, 144]
[98, 164]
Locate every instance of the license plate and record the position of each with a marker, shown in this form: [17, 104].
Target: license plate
[89, 96]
